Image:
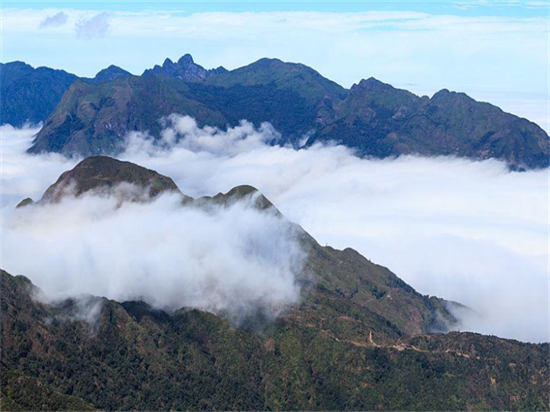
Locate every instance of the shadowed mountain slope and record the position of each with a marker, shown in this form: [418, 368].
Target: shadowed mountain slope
[28, 94]
[93, 119]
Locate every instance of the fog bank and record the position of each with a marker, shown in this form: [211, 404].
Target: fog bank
[468, 231]
[233, 261]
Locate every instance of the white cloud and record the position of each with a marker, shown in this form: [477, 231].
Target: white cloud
[466, 231]
[22, 175]
[232, 261]
[183, 132]
[469, 4]
[56, 20]
[538, 4]
[96, 26]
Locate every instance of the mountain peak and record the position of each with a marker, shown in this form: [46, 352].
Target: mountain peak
[185, 69]
[103, 173]
[110, 73]
[371, 84]
[442, 92]
[372, 81]
[17, 63]
[186, 59]
[444, 95]
[374, 91]
[237, 194]
[243, 191]
[268, 61]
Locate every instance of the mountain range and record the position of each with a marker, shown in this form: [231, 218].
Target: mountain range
[86, 117]
[360, 338]
[29, 95]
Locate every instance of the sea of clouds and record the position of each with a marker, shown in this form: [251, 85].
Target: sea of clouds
[472, 232]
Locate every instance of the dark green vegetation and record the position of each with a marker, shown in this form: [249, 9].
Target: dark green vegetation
[360, 339]
[318, 356]
[373, 118]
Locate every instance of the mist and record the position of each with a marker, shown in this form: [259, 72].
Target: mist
[467, 231]
[234, 261]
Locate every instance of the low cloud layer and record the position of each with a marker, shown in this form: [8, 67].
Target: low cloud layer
[467, 231]
[233, 261]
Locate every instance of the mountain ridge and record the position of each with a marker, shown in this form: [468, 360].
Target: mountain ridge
[185, 69]
[372, 118]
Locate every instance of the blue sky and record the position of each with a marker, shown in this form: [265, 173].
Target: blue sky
[516, 8]
[496, 51]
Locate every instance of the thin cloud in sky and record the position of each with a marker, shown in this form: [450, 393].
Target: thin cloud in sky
[538, 4]
[56, 20]
[96, 26]
[472, 4]
[493, 3]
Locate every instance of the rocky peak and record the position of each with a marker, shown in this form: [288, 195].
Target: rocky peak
[371, 83]
[372, 91]
[186, 59]
[446, 96]
[185, 69]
